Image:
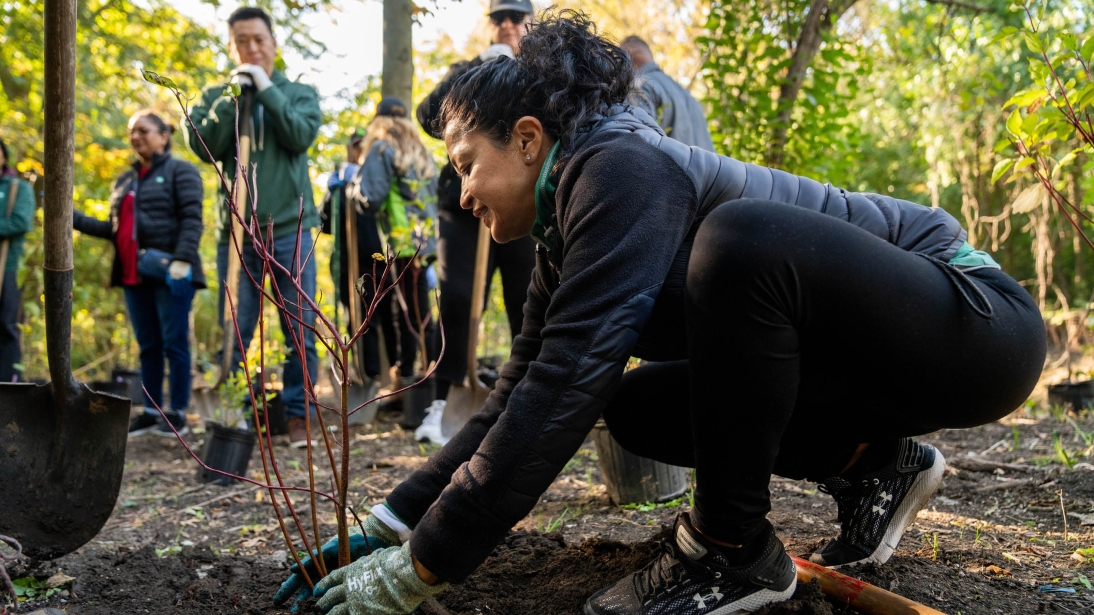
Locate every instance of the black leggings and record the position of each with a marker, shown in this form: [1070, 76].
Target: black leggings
[807, 337]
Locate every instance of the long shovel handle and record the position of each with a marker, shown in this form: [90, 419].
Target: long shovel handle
[59, 136]
[353, 274]
[478, 289]
[4, 244]
[239, 197]
[860, 595]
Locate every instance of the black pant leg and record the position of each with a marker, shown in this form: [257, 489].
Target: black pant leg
[517, 262]
[10, 354]
[649, 414]
[458, 238]
[806, 331]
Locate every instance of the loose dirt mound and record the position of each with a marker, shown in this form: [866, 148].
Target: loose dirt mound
[191, 582]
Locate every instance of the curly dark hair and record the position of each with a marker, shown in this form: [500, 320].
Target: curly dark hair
[566, 73]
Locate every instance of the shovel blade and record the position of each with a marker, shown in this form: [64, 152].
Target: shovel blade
[61, 467]
[462, 403]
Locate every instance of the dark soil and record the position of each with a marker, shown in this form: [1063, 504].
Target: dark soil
[985, 544]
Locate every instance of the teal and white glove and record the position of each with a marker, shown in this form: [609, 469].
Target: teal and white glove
[383, 583]
[384, 529]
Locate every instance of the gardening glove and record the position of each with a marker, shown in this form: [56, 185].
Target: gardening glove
[251, 74]
[379, 529]
[296, 586]
[383, 583]
[179, 274]
[496, 50]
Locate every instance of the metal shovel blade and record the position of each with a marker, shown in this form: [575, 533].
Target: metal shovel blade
[61, 465]
[462, 403]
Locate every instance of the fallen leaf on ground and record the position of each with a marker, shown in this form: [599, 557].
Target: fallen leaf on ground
[997, 570]
[58, 580]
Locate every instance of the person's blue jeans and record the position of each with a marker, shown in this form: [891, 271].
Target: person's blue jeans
[247, 302]
[161, 322]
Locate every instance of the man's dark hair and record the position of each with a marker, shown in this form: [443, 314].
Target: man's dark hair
[246, 13]
[565, 75]
[5, 168]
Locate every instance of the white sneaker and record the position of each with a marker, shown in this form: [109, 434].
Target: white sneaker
[430, 429]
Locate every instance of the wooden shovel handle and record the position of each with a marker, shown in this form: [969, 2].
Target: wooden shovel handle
[478, 289]
[860, 595]
[239, 195]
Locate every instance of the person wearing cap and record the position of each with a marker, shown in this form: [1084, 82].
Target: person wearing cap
[458, 229]
[397, 184]
[674, 108]
[285, 121]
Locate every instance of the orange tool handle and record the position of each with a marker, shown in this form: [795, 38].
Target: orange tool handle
[858, 594]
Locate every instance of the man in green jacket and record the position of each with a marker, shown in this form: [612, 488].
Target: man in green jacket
[285, 120]
[16, 220]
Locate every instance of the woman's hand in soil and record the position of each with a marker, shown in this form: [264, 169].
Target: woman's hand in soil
[384, 583]
[296, 586]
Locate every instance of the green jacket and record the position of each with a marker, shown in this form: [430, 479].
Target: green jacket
[21, 221]
[286, 120]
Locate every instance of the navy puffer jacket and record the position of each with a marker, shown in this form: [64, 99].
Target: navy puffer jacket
[168, 210]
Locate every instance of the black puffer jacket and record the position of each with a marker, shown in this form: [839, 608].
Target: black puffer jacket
[628, 202]
[167, 210]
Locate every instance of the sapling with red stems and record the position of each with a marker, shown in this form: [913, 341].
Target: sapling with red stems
[300, 316]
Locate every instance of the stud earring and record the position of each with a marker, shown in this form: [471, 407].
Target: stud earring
[527, 156]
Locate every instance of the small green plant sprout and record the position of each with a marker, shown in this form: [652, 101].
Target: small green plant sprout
[30, 589]
[1061, 453]
[1082, 580]
[933, 542]
[1017, 437]
[1084, 556]
[976, 538]
[553, 524]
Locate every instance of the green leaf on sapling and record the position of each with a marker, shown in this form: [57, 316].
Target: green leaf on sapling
[157, 79]
[1001, 168]
[1014, 123]
[1024, 99]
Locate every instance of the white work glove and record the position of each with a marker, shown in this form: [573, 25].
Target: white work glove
[251, 74]
[497, 50]
[179, 274]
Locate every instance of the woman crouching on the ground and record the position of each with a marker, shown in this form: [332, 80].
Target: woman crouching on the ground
[798, 329]
[155, 226]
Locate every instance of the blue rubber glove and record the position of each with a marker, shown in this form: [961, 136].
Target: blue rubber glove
[295, 585]
[179, 275]
[383, 583]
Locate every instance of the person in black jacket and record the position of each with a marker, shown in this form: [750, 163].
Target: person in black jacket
[795, 328]
[155, 225]
[458, 230]
[368, 243]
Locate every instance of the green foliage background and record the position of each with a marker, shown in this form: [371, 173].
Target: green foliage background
[903, 98]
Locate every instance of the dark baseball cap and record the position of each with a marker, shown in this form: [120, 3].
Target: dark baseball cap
[392, 107]
[523, 6]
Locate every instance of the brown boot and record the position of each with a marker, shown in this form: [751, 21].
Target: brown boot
[298, 433]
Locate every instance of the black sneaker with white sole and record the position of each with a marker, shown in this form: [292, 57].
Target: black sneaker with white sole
[177, 420]
[143, 423]
[691, 577]
[874, 510]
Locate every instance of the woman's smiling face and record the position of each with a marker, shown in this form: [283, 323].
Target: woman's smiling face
[499, 180]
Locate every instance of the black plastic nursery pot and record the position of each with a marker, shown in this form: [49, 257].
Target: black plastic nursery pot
[109, 386]
[415, 402]
[631, 479]
[132, 380]
[226, 449]
[1073, 395]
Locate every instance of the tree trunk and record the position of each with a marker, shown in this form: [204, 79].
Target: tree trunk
[398, 70]
[822, 14]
